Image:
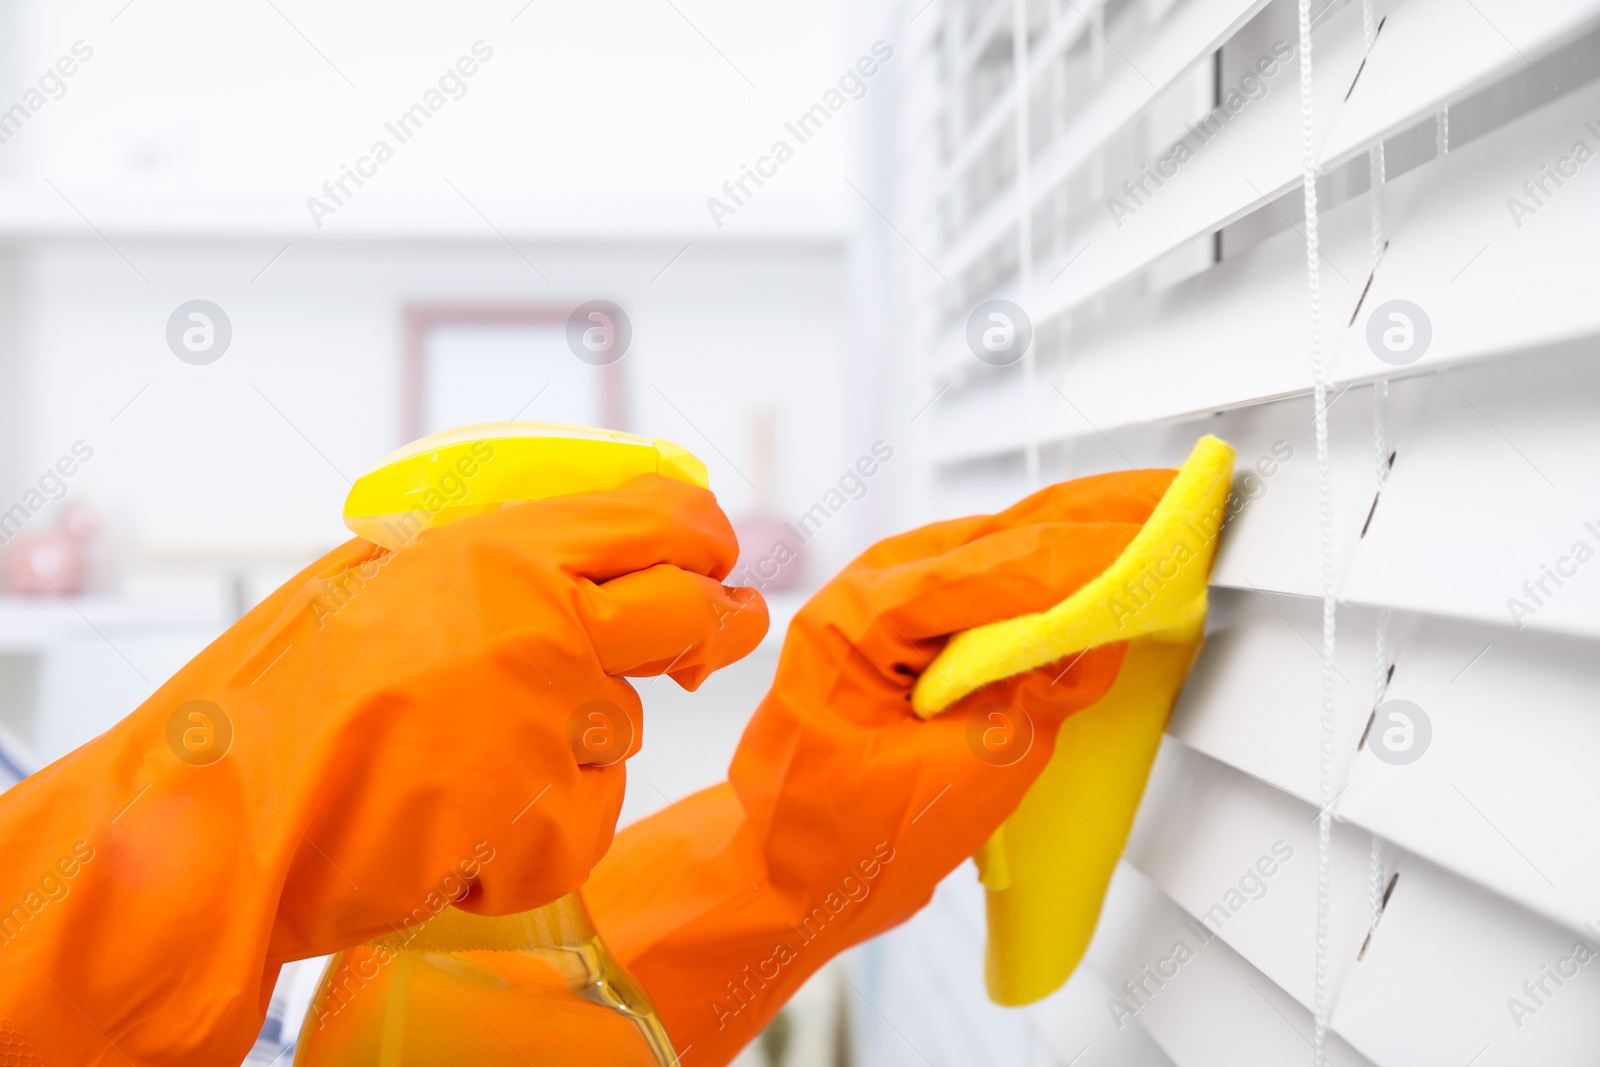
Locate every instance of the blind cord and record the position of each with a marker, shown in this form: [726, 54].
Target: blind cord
[1325, 509]
[1375, 169]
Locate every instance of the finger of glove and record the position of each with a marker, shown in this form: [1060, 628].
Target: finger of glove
[1010, 572]
[666, 620]
[603, 535]
[1050, 693]
[1122, 496]
[994, 743]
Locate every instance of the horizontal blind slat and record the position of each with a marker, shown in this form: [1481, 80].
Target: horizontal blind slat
[1182, 39]
[1217, 1010]
[1514, 736]
[1493, 281]
[1248, 704]
[1252, 160]
[1250, 699]
[1058, 39]
[1447, 952]
[1208, 836]
[1434, 987]
[1492, 488]
[1233, 334]
[1436, 52]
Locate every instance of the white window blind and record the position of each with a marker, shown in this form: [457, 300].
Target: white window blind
[1162, 311]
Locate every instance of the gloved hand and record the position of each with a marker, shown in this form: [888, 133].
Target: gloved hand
[385, 732]
[843, 810]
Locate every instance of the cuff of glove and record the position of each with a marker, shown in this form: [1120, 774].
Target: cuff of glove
[683, 900]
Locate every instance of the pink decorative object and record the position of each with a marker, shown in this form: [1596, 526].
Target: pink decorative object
[49, 562]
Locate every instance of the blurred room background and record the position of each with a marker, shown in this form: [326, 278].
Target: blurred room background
[175, 162]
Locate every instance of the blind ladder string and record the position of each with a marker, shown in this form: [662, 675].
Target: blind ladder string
[1380, 403]
[1024, 192]
[1325, 510]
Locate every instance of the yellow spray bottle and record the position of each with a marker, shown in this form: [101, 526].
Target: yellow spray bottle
[461, 988]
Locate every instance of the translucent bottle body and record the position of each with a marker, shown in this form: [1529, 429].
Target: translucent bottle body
[463, 989]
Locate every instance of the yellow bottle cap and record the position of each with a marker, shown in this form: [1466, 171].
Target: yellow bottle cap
[473, 469]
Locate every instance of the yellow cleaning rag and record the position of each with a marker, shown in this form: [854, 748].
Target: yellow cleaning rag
[1046, 869]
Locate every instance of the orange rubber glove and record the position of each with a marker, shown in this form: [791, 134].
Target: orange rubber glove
[384, 733]
[843, 810]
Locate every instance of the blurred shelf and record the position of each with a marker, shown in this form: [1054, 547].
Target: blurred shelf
[28, 625]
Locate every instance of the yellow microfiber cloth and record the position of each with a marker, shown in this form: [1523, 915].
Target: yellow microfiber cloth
[1046, 869]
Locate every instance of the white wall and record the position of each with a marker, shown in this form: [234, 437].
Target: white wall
[201, 462]
[616, 95]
